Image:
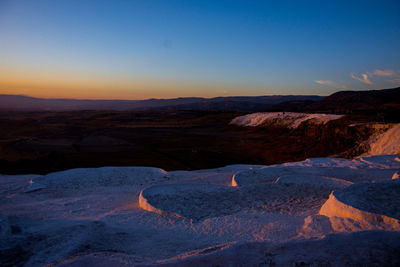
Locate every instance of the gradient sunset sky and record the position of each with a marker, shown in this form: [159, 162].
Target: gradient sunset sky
[162, 49]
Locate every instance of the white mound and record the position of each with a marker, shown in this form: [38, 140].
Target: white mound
[387, 143]
[199, 201]
[373, 205]
[10, 184]
[316, 226]
[90, 178]
[314, 180]
[358, 170]
[286, 119]
[256, 176]
[101, 216]
[192, 201]
[372, 248]
[102, 259]
[5, 230]
[271, 174]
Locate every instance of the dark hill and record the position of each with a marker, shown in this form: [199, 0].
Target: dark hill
[350, 101]
[374, 105]
[238, 103]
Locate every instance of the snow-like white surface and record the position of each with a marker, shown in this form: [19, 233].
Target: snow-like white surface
[386, 143]
[88, 178]
[200, 201]
[316, 181]
[286, 119]
[143, 216]
[372, 205]
[357, 249]
[375, 168]
[191, 201]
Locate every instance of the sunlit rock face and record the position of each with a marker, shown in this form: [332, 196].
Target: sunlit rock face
[290, 120]
[329, 133]
[365, 205]
[386, 143]
[330, 211]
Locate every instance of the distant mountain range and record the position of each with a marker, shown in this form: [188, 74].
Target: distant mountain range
[339, 102]
[241, 103]
[345, 101]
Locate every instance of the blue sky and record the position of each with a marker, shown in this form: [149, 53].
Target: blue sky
[140, 49]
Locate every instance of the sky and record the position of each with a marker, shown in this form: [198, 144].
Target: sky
[163, 49]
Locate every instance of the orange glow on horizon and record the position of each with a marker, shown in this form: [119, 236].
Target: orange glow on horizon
[83, 85]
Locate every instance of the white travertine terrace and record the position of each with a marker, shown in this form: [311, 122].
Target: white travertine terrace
[363, 205]
[124, 216]
[286, 119]
[386, 143]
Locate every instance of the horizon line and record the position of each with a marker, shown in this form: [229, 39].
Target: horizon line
[180, 97]
[144, 99]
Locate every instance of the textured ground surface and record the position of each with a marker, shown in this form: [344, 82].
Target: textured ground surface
[271, 217]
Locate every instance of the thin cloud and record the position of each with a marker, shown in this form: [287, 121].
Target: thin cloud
[391, 76]
[385, 73]
[364, 78]
[331, 84]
